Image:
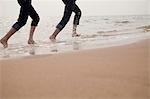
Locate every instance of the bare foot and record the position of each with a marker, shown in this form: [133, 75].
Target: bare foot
[76, 35]
[4, 43]
[31, 42]
[52, 38]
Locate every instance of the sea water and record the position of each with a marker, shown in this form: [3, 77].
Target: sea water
[96, 32]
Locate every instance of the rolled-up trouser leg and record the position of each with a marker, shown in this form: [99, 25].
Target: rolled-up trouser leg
[23, 16]
[70, 4]
[35, 17]
[77, 15]
[65, 19]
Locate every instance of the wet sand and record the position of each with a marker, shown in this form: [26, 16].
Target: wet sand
[121, 72]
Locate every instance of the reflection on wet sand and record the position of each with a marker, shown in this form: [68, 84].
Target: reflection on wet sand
[76, 45]
[54, 47]
[32, 50]
[5, 53]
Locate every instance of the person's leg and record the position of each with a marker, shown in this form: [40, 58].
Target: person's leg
[74, 31]
[30, 40]
[4, 40]
[76, 21]
[23, 16]
[62, 24]
[35, 20]
[66, 17]
[53, 36]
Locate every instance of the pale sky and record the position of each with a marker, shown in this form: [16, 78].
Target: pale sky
[88, 7]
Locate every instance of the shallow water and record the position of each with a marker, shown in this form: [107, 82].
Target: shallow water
[96, 32]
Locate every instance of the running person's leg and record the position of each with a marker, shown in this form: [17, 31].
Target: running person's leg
[35, 20]
[66, 17]
[23, 16]
[76, 20]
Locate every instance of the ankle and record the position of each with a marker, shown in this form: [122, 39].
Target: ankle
[30, 39]
[74, 32]
[3, 40]
[52, 37]
[31, 42]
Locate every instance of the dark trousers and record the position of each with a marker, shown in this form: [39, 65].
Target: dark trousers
[70, 6]
[25, 11]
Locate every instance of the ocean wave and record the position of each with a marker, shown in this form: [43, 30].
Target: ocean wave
[136, 30]
[89, 36]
